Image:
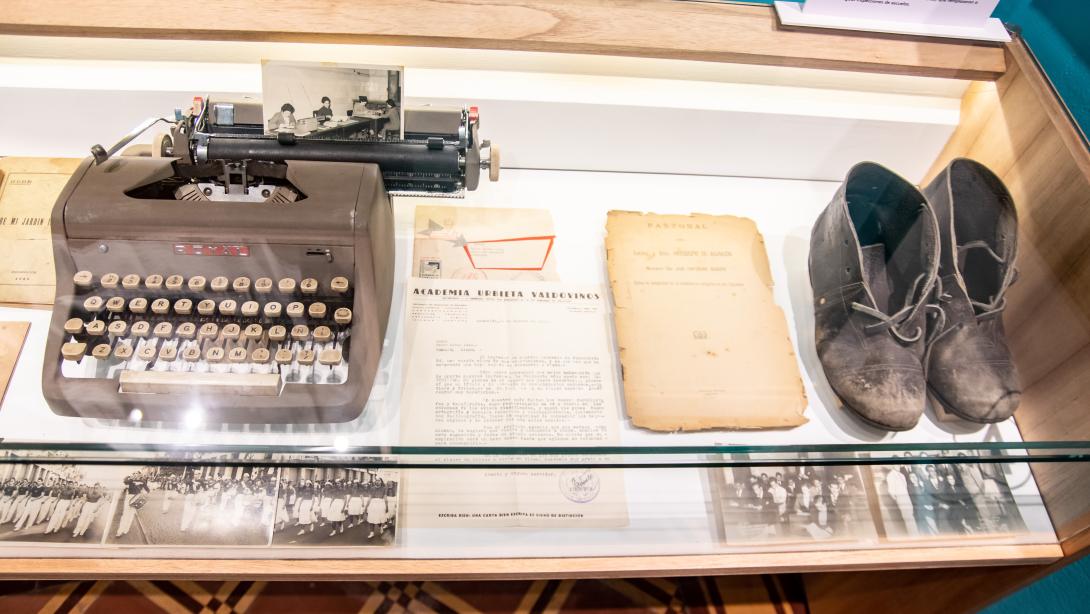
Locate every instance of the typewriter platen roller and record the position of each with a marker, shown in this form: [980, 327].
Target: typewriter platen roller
[232, 276]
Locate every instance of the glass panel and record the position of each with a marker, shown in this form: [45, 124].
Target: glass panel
[487, 331]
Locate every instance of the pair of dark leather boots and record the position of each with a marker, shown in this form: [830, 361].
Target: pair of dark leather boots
[909, 288]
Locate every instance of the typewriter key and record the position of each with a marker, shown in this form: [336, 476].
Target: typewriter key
[330, 358]
[227, 307]
[95, 328]
[164, 330]
[73, 351]
[339, 285]
[175, 282]
[206, 307]
[138, 305]
[219, 284]
[117, 328]
[197, 283]
[343, 315]
[160, 306]
[101, 351]
[73, 326]
[273, 309]
[130, 282]
[109, 280]
[263, 285]
[316, 310]
[308, 286]
[83, 279]
[231, 331]
[93, 304]
[278, 333]
[140, 329]
[209, 330]
[241, 284]
[183, 306]
[186, 330]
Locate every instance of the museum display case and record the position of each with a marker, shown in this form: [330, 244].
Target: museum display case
[525, 376]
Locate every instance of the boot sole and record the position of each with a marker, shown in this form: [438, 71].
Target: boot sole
[934, 397]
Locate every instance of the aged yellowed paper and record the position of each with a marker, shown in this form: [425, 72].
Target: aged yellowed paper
[12, 335]
[29, 188]
[702, 342]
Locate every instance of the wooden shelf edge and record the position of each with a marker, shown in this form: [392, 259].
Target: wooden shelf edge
[506, 569]
[648, 28]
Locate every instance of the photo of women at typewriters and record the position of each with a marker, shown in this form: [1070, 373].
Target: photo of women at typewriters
[332, 101]
[336, 506]
[64, 504]
[944, 500]
[195, 504]
[761, 505]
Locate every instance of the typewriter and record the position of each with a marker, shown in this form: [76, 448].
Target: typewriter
[241, 275]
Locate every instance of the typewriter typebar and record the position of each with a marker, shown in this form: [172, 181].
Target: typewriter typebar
[264, 312]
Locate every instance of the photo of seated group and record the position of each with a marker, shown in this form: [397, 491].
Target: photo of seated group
[212, 504]
[56, 503]
[761, 504]
[336, 506]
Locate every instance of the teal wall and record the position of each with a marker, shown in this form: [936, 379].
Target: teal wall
[1058, 32]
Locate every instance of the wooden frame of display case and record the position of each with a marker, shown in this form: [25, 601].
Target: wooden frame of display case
[1011, 120]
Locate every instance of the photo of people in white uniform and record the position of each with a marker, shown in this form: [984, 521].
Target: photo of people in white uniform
[336, 506]
[196, 505]
[55, 503]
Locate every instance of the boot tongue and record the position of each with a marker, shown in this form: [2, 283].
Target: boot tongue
[987, 273]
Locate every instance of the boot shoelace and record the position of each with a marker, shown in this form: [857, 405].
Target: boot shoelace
[893, 322]
[998, 302]
[983, 310]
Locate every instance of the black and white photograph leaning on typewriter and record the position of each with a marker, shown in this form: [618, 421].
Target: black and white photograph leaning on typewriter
[945, 500]
[195, 505]
[336, 506]
[67, 504]
[793, 504]
[333, 101]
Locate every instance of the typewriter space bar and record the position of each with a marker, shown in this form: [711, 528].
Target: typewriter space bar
[172, 382]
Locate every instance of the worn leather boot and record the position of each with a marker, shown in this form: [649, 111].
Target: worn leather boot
[970, 371]
[873, 265]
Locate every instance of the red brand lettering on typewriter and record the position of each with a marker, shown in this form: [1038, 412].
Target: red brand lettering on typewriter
[210, 249]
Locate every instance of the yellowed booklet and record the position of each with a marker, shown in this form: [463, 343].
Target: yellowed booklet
[702, 342]
[29, 188]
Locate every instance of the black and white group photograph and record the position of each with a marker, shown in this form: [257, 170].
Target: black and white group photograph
[793, 504]
[56, 503]
[334, 101]
[210, 504]
[937, 499]
[336, 506]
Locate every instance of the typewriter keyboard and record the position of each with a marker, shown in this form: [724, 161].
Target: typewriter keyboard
[242, 335]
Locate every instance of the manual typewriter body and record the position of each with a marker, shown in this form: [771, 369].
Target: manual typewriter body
[291, 270]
